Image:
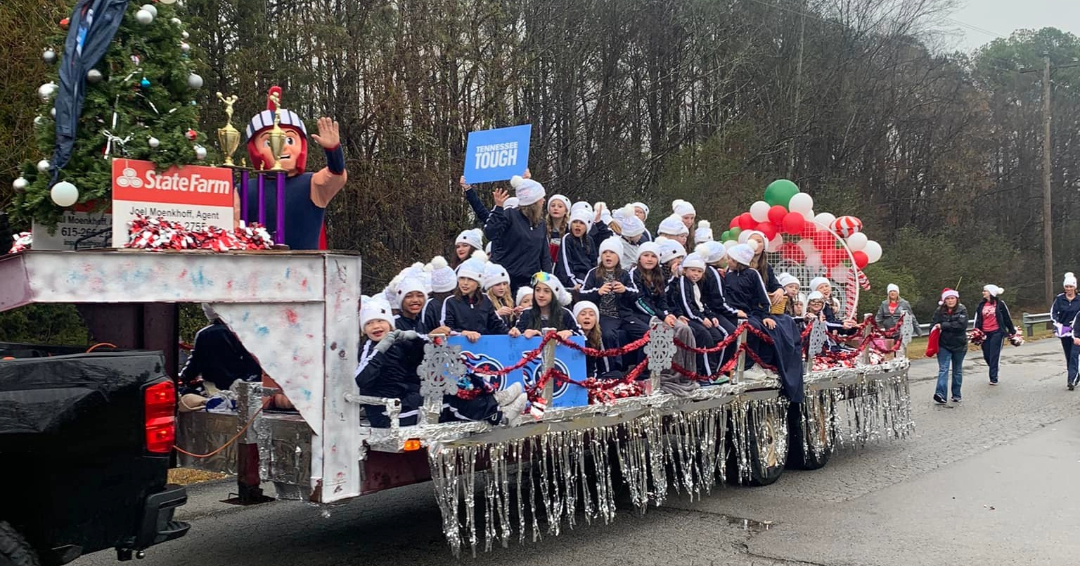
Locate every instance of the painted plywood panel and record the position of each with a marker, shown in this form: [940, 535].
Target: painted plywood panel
[340, 441]
[107, 277]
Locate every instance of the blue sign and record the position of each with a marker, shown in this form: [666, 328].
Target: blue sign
[494, 353]
[497, 155]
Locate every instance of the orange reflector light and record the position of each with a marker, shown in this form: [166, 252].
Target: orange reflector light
[412, 445]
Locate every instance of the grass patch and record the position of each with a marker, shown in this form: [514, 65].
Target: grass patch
[188, 476]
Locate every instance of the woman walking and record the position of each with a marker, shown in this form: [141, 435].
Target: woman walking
[1066, 308]
[993, 320]
[950, 319]
[891, 309]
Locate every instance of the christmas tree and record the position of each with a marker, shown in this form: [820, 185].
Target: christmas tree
[139, 103]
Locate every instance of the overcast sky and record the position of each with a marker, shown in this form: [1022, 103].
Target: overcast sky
[1004, 16]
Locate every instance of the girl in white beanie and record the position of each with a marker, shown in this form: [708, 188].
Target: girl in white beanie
[443, 283]
[692, 309]
[673, 228]
[612, 289]
[497, 287]
[558, 222]
[892, 308]
[1065, 311]
[641, 210]
[521, 234]
[547, 311]
[578, 251]
[951, 320]
[993, 320]
[760, 263]
[587, 315]
[467, 242]
[468, 310]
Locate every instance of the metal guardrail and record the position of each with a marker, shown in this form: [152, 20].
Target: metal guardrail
[1029, 321]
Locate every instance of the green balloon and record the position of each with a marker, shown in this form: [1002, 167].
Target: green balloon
[733, 234]
[780, 191]
[725, 236]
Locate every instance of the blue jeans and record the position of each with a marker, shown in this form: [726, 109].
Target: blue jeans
[944, 358]
[991, 349]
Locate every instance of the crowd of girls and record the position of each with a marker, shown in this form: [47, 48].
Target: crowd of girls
[585, 270]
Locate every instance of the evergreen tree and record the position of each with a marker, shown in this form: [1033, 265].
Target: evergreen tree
[140, 104]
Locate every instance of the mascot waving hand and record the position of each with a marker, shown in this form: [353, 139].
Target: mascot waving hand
[306, 194]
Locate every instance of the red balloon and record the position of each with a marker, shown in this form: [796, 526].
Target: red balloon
[768, 229]
[861, 259]
[777, 214]
[793, 222]
[747, 222]
[793, 253]
[823, 241]
[734, 223]
[832, 257]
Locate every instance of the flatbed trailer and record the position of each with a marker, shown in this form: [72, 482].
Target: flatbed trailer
[297, 313]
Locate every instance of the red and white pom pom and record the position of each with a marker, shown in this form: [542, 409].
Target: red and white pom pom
[160, 234]
[22, 242]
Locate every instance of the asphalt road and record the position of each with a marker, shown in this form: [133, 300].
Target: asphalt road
[992, 481]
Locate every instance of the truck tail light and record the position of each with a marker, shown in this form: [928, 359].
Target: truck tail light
[160, 411]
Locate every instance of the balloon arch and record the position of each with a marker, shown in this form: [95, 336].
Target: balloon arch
[808, 244]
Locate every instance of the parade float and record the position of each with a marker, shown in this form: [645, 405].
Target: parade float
[297, 313]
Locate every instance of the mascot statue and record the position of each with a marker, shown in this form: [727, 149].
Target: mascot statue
[306, 194]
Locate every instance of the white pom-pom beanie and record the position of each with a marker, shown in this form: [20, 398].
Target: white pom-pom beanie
[682, 208]
[527, 191]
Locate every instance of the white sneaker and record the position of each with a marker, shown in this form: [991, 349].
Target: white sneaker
[515, 411]
[508, 395]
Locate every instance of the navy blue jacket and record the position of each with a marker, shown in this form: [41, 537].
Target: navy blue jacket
[649, 303]
[461, 315]
[568, 323]
[745, 291]
[590, 291]
[220, 358]
[576, 257]
[833, 322]
[392, 373]
[304, 221]
[712, 292]
[685, 304]
[402, 322]
[523, 249]
[1064, 311]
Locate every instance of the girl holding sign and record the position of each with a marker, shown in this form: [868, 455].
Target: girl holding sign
[520, 233]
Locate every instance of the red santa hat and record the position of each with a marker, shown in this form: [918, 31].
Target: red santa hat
[946, 293]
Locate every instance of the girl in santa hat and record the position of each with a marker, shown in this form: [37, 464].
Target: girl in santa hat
[993, 320]
[950, 319]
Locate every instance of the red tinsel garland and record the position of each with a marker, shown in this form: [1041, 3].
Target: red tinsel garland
[156, 234]
[525, 359]
[610, 352]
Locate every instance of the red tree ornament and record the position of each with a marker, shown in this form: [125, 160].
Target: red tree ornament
[65, 23]
[191, 134]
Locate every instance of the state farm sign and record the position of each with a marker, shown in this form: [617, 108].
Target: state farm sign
[196, 196]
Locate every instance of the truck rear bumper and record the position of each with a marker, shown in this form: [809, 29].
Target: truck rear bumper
[157, 524]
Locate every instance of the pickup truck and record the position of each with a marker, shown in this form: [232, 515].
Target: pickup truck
[85, 444]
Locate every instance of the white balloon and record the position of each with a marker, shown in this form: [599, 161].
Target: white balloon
[775, 243]
[64, 194]
[807, 245]
[824, 220]
[760, 211]
[144, 17]
[873, 251]
[801, 203]
[813, 259]
[808, 215]
[730, 244]
[857, 241]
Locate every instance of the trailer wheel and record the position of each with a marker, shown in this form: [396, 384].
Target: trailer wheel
[801, 451]
[14, 550]
[768, 442]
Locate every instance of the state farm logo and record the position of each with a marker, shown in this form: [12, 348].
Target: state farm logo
[128, 178]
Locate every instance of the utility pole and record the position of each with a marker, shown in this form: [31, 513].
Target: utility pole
[1047, 218]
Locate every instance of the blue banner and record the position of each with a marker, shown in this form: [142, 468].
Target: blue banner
[494, 353]
[497, 155]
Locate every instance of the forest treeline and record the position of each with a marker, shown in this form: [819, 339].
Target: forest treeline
[940, 154]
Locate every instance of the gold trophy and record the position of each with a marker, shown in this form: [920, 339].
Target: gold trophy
[276, 137]
[228, 137]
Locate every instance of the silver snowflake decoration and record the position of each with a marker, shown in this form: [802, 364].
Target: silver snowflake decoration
[440, 370]
[661, 346]
[818, 338]
[907, 330]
